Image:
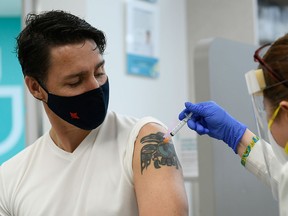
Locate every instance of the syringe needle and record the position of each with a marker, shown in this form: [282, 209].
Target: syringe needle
[175, 130]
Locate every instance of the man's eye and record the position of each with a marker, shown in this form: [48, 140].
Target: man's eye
[74, 84]
[99, 75]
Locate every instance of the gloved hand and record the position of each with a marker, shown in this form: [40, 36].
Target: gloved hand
[209, 118]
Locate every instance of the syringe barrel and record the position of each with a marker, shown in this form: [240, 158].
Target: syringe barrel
[180, 125]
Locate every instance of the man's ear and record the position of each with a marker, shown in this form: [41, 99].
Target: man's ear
[34, 88]
[284, 107]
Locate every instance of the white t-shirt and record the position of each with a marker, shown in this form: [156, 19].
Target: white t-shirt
[96, 179]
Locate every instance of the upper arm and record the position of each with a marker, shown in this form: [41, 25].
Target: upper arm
[158, 177]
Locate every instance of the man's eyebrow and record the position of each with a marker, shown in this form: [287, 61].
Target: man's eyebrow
[71, 76]
[81, 73]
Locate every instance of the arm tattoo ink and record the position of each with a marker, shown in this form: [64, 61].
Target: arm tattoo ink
[157, 152]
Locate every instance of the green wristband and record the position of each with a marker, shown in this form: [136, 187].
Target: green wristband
[248, 150]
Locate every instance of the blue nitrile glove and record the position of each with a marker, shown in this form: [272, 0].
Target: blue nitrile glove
[209, 118]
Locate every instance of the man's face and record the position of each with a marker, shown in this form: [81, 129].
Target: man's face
[75, 69]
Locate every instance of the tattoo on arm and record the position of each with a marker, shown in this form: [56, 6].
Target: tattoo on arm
[154, 150]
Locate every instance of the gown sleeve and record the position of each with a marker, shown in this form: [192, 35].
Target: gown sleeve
[257, 166]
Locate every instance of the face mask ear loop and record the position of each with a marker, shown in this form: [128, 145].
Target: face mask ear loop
[273, 117]
[286, 148]
[42, 86]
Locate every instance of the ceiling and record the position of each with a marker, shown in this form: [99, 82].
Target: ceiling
[10, 7]
[13, 7]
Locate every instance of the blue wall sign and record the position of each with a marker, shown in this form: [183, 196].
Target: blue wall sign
[12, 133]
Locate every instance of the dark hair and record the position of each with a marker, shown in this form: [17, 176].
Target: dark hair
[47, 30]
[277, 58]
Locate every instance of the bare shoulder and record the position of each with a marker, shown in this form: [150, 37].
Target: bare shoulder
[157, 171]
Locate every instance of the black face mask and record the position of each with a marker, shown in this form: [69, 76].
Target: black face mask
[86, 111]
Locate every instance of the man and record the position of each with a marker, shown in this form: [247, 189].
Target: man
[90, 162]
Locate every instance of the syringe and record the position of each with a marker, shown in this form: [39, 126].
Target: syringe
[175, 130]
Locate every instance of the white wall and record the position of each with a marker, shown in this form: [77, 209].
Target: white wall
[162, 97]
[230, 19]
[77, 7]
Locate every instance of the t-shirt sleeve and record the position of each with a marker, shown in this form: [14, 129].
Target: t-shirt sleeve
[3, 196]
[131, 140]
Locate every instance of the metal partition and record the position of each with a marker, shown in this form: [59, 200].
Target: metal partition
[225, 187]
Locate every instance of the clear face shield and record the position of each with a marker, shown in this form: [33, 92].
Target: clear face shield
[256, 84]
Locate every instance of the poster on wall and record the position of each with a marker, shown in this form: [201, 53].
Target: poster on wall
[142, 33]
[12, 133]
